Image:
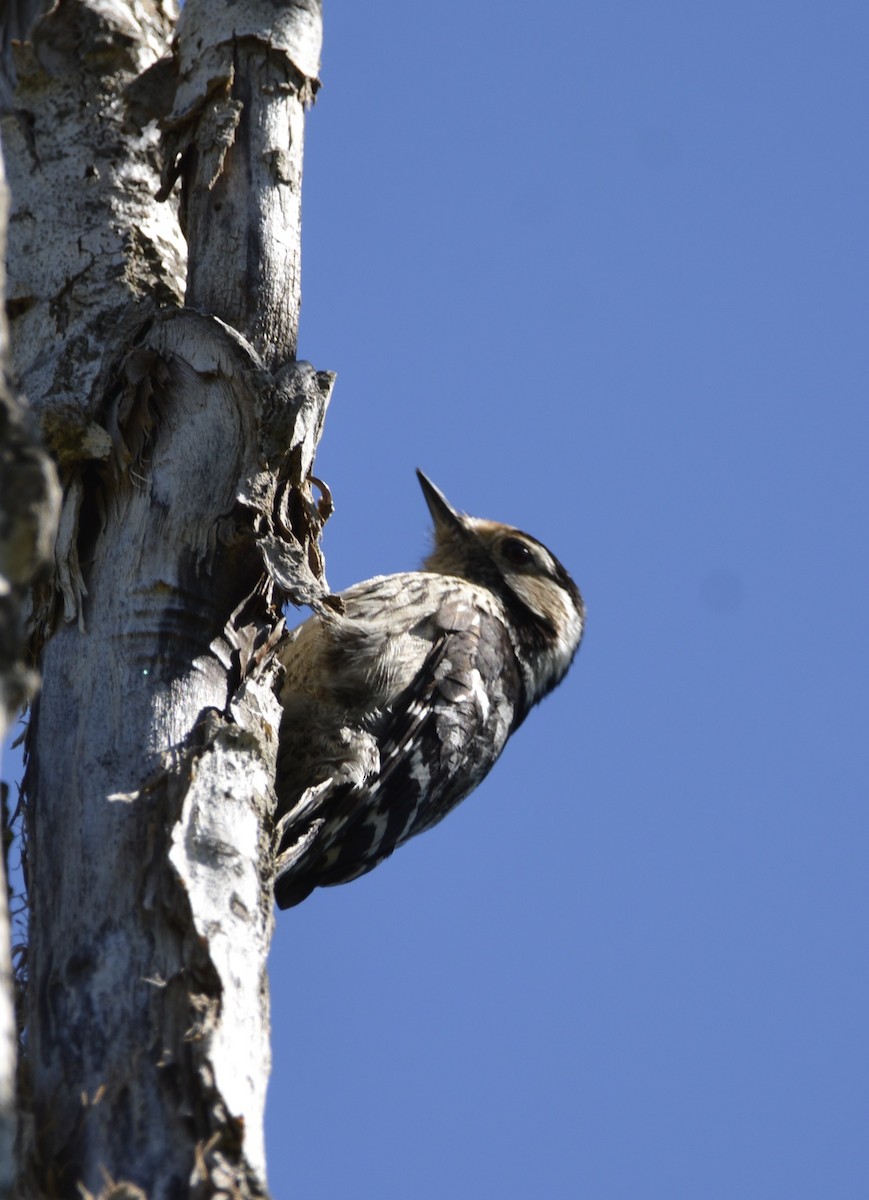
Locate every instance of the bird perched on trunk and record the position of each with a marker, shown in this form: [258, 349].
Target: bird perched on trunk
[395, 709]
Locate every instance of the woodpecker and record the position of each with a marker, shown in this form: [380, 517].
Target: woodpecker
[397, 707]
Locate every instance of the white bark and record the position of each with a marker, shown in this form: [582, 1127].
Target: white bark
[246, 72]
[91, 256]
[185, 441]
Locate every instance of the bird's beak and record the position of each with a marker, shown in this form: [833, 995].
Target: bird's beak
[443, 514]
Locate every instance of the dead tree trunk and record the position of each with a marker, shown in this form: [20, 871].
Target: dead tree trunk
[184, 432]
[29, 503]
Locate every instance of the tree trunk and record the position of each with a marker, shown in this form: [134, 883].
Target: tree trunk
[185, 438]
[29, 503]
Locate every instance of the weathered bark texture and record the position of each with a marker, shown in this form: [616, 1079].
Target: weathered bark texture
[185, 441]
[29, 503]
[246, 73]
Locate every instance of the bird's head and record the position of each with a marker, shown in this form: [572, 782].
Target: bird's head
[544, 603]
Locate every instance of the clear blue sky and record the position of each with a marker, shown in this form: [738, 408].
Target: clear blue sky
[601, 271]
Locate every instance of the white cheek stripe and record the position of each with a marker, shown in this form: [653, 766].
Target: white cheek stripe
[559, 657]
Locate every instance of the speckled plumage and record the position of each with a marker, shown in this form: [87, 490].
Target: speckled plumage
[396, 709]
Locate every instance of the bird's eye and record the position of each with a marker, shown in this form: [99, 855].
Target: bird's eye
[515, 552]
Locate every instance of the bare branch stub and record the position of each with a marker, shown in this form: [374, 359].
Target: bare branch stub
[236, 138]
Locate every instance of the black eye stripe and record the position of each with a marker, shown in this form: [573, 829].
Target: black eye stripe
[516, 552]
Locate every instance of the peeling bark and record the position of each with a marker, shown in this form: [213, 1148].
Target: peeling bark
[91, 256]
[185, 443]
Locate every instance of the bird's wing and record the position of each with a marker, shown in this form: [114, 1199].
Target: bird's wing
[442, 735]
